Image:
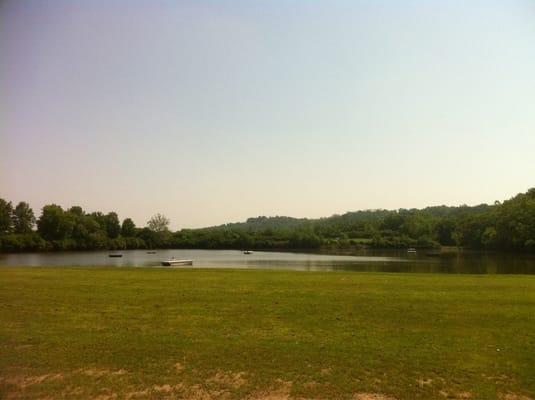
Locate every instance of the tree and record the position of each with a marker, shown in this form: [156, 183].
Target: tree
[54, 223]
[149, 236]
[23, 218]
[444, 230]
[489, 237]
[158, 223]
[76, 210]
[6, 221]
[113, 228]
[129, 228]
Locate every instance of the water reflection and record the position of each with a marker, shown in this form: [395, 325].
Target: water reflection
[381, 261]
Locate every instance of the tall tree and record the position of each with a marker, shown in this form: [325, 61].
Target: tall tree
[23, 218]
[54, 223]
[128, 228]
[113, 227]
[76, 210]
[158, 223]
[6, 215]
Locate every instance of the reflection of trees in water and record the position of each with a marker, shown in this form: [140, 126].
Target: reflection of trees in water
[462, 262]
[490, 263]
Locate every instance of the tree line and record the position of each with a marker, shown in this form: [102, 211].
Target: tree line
[75, 229]
[509, 226]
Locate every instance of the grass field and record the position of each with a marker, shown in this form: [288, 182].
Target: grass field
[258, 334]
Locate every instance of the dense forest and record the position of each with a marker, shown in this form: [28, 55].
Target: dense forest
[501, 226]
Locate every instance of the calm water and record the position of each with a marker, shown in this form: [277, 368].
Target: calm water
[475, 263]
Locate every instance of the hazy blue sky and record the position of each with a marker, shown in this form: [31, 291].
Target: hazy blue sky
[214, 111]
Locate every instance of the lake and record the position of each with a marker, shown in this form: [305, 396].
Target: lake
[383, 261]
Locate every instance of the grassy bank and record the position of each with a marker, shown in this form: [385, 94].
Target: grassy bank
[202, 334]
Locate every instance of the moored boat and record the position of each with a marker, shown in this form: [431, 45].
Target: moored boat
[173, 262]
[115, 255]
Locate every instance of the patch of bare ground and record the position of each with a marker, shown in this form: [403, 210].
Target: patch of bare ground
[497, 378]
[166, 388]
[137, 394]
[105, 396]
[514, 396]
[73, 392]
[179, 367]
[196, 392]
[178, 391]
[18, 384]
[311, 385]
[97, 373]
[279, 392]
[22, 382]
[456, 395]
[224, 382]
[233, 380]
[372, 396]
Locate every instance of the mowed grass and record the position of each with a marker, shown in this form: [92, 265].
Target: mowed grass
[208, 334]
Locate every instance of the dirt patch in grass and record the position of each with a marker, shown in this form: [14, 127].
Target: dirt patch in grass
[22, 382]
[97, 373]
[196, 392]
[456, 395]
[372, 396]
[280, 391]
[311, 385]
[137, 394]
[163, 388]
[228, 379]
[513, 396]
[105, 396]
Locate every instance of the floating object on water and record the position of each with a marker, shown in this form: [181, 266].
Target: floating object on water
[173, 262]
[151, 252]
[115, 255]
[411, 250]
[247, 252]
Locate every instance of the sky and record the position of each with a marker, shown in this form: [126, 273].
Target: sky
[215, 111]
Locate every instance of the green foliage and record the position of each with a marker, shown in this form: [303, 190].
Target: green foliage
[489, 237]
[54, 223]
[502, 226]
[6, 221]
[22, 242]
[23, 218]
[113, 228]
[158, 223]
[128, 229]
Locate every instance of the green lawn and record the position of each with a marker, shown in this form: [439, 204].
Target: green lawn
[257, 334]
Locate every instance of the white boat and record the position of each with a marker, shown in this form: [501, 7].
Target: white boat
[247, 252]
[411, 250]
[173, 262]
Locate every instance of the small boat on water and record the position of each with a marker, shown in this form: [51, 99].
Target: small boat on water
[172, 262]
[411, 250]
[151, 252]
[247, 252]
[115, 255]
